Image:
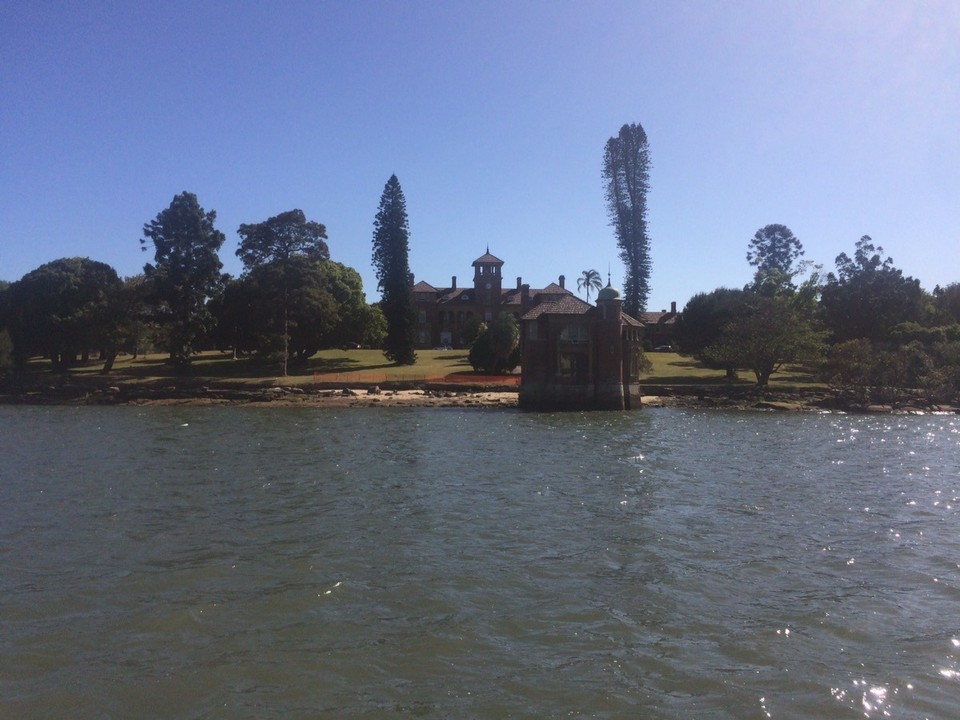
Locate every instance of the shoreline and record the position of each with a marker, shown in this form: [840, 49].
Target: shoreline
[188, 393]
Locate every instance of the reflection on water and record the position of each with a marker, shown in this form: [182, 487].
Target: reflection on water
[231, 562]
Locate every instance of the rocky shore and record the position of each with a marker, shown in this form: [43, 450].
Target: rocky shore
[429, 395]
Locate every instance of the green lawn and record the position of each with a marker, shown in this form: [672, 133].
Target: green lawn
[370, 366]
[674, 369]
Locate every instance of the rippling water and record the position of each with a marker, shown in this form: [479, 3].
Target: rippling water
[296, 563]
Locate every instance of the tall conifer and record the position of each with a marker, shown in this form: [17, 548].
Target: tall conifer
[626, 171]
[391, 234]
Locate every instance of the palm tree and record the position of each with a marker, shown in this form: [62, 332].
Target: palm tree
[589, 280]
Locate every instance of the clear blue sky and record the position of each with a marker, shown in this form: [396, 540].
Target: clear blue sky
[838, 119]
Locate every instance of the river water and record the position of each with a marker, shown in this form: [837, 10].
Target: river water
[177, 562]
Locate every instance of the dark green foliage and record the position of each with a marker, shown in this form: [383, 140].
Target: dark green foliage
[496, 348]
[774, 248]
[286, 244]
[848, 369]
[251, 317]
[771, 332]
[281, 238]
[60, 310]
[471, 328]
[374, 326]
[626, 172]
[6, 352]
[127, 326]
[869, 297]
[703, 320]
[185, 272]
[860, 371]
[355, 317]
[946, 303]
[391, 234]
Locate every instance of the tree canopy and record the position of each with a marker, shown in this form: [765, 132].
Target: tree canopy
[391, 235]
[626, 172]
[281, 243]
[185, 271]
[60, 309]
[496, 348]
[774, 247]
[868, 297]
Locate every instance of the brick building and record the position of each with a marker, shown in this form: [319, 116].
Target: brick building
[577, 356]
[444, 312]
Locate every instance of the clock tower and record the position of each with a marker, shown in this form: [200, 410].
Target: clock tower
[487, 283]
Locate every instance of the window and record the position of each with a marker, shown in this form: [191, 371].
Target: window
[531, 331]
[423, 317]
[574, 334]
[574, 367]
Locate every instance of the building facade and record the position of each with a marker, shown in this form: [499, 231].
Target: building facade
[577, 356]
[444, 314]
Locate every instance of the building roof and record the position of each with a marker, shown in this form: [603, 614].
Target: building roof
[609, 293]
[630, 320]
[567, 305]
[487, 259]
[424, 287]
[659, 318]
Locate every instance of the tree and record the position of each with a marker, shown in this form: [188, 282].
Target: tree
[626, 172]
[589, 280]
[125, 327]
[391, 235]
[868, 297]
[947, 303]
[250, 318]
[772, 332]
[701, 324]
[774, 248]
[59, 310]
[496, 349]
[278, 241]
[185, 271]
[346, 288]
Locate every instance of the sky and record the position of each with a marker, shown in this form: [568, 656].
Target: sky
[838, 119]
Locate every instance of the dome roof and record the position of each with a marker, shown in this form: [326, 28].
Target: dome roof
[608, 293]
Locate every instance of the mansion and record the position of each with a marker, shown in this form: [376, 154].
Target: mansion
[443, 313]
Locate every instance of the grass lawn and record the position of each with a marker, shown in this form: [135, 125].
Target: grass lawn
[673, 369]
[370, 367]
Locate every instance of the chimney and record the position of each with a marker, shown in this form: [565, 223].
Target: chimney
[673, 307]
[453, 283]
[410, 278]
[562, 281]
[519, 284]
[524, 297]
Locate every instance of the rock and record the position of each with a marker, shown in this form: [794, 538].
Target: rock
[347, 392]
[375, 390]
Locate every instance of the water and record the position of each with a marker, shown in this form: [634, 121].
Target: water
[219, 562]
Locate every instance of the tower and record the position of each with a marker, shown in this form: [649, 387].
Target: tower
[487, 283]
[609, 350]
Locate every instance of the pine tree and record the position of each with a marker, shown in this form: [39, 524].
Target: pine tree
[626, 170]
[391, 235]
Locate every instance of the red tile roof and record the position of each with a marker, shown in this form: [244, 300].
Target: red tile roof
[488, 259]
[568, 305]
